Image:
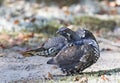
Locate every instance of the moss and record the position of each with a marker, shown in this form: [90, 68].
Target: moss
[94, 23]
[59, 2]
[50, 28]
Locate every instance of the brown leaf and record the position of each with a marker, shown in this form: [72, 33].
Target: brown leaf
[49, 75]
[25, 37]
[33, 20]
[98, 33]
[76, 78]
[16, 22]
[66, 10]
[54, 67]
[26, 18]
[103, 77]
[4, 37]
[81, 80]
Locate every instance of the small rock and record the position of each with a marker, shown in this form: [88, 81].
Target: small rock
[104, 78]
[54, 67]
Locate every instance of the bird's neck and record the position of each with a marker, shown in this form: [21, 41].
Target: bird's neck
[73, 37]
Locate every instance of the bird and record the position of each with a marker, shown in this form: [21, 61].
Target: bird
[80, 52]
[54, 44]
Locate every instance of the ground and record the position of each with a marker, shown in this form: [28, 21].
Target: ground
[16, 68]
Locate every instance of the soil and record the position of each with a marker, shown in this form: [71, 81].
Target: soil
[15, 67]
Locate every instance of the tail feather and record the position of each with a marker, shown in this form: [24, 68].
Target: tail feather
[40, 52]
[51, 61]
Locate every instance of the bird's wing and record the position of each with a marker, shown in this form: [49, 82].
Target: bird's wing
[49, 48]
[88, 58]
[74, 56]
[53, 42]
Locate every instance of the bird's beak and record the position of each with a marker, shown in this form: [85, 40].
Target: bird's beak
[58, 32]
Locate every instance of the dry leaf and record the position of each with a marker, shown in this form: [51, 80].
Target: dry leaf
[103, 77]
[25, 37]
[81, 80]
[49, 75]
[16, 22]
[4, 37]
[66, 10]
[76, 78]
[54, 67]
[26, 18]
[33, 20]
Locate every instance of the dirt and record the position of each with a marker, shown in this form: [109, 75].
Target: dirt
[15, 67]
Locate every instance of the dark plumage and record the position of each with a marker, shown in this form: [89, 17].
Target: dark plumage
[80, 52]
[55, 44]
[70, 35]
[73, 51]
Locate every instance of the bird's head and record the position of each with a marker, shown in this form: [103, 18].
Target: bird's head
[67, 33]
[64, 31]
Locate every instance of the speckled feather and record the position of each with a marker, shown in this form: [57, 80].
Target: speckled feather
[50, 47]
[75, 58]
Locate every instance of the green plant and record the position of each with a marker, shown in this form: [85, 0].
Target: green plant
[94, 23]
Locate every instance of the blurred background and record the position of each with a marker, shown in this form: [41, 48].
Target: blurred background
[29, 21]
